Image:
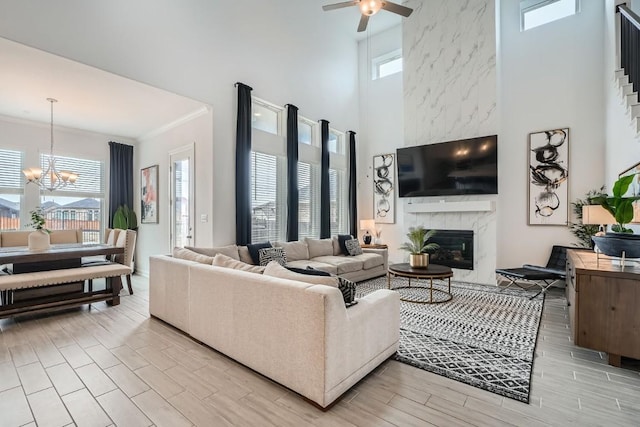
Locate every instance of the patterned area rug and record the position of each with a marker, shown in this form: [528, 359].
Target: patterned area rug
[481, 337]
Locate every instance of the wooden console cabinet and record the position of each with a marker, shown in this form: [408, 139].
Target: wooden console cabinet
[604, 304]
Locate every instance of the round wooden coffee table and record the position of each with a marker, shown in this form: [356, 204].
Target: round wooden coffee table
[434, 271]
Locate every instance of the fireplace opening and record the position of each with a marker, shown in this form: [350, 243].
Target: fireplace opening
[456, 249]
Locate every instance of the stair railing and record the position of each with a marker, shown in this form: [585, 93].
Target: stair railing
[630, 45]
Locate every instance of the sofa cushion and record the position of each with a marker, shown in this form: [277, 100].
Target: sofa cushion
[245, 256]
[272, 254]
[295, 250]
[319, 247]
[369, 260]
[254, 248]
[322, 266]
[342, 242]
[274, 269]
[189, 255]
[353, 247]
[343, 264]
[230, 251]
[222, 260]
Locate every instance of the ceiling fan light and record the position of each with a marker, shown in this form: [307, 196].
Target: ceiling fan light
[370, 7]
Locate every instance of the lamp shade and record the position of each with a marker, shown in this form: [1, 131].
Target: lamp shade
[367, 224]
[596, 215]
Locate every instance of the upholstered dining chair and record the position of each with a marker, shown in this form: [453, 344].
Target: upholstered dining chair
[126, 239]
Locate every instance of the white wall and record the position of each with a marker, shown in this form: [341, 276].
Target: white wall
[450, 93]
[154, 238]
[381, 129]
[551, 77]
[33, 138]
[285, 50]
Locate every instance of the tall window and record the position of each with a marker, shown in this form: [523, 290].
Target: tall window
[338, 183]
[80, 205]
[534, 13]
[309, 200]
[268, 173]
[11, 188]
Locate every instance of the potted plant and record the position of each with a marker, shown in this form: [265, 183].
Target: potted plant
[419, 246]
[584, 232]
[618, 205]
[125, 218]
[39, 240]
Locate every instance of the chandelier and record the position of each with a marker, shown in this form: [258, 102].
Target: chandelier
[56, 178]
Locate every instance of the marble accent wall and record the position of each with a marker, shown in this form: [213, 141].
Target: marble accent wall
[450, 92]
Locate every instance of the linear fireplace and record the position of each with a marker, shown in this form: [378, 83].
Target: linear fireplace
[456, 249]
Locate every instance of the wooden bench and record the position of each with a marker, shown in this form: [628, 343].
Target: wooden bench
[10, 283]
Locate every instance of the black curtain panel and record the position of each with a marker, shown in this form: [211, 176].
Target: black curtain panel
[120, 177]
[292, 173]
[325, 199]
[243, 166]
[353, 198]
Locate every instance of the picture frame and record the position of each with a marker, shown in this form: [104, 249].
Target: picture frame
[634, 190]
[548, 176]
[384, 188]
[149, 195]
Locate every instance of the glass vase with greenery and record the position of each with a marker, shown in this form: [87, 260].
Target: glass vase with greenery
[38, 220]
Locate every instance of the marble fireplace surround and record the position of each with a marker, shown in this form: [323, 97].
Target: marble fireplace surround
[476, 213]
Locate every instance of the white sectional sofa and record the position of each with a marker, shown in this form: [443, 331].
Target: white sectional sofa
[298, 334]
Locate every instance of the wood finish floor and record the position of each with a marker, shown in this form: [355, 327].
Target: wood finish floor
[116, 366]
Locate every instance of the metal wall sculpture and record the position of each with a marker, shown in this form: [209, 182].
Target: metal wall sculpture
[384, 188]
[548, 177]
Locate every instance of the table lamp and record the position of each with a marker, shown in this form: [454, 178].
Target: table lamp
[367, 224]
[597, 215]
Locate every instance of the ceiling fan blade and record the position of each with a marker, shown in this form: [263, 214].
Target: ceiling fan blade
[339, 5]
[396, 8]
[364, 19]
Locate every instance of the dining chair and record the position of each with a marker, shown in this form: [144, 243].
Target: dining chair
[126, 239]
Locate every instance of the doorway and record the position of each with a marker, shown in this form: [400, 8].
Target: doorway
[181, 199]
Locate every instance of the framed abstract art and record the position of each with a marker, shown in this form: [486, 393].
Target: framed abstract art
[149, 195]
[548, 177]
[384, 188]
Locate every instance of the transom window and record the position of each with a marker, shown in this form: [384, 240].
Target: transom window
[386, 65]
[534, 13]
[306, 134]
[266, 117]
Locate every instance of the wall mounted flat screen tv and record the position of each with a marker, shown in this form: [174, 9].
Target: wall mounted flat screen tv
[466, 166]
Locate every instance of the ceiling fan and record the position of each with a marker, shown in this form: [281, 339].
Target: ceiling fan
[370, 8]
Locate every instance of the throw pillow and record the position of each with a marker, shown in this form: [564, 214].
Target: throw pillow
[230, 251]
[186, 254]
[267, 255]
[222, 260]
[274, 269]
[348, 289]
[253, 251]
[342, 239]
[310, 271]
[353, 247]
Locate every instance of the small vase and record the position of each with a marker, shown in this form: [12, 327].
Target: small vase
[39, 240]
[419, 260]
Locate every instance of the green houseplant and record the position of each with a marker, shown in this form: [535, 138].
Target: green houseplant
[584, 232]
[618, 205]
[419, 246]
[125, 218]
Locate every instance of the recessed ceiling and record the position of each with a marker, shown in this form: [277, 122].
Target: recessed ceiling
[88, 98]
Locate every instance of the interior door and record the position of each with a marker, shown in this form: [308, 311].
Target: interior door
[181, 200]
